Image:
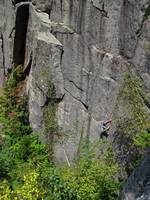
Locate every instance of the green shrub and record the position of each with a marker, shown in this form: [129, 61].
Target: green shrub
[131, 119]
[93, 177]
[26, 171]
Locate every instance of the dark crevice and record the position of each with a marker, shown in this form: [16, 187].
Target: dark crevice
[48, 8]
[20, 34]
[49, 99]
[104, 13]
[71, 81]
[28, 67]
[85, 106]
[61, 56]
[11, 33]
[58, 100]
[3, 52]
[146, 102]
[61, 7]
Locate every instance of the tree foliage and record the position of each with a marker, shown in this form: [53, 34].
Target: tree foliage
[26, 172]
[132, 119]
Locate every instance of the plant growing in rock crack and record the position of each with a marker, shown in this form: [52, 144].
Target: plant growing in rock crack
[51, 128]
[131, 118]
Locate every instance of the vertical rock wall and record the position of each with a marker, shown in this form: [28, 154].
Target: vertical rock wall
[83, 48]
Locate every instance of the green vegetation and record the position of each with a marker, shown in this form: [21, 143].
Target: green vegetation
[94, 175]
[147, 47]
[132, 119]
[51, 128]
[147, 13]
[26, 171]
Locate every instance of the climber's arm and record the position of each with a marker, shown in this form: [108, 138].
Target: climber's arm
[108, 122]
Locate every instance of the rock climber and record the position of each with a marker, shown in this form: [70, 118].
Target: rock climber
[105, 126]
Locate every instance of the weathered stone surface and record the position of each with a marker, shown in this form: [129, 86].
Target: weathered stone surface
[43, 57]
[141, 58]
[93, 63]
[45, 68]
[8, 34]
[138, 184]
[83, 48]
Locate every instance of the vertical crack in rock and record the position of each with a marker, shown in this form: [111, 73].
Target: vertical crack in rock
[28, 67]
[61, 7]
[2, 46]
[81, 13]
[20, 35]
[11, 33]
[61, 56]
[48, 8]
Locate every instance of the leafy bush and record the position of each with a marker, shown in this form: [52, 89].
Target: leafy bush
[28, 189]
[26, 171]
[92, 176]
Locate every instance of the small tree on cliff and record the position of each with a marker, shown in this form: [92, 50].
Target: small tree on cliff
[131, 117]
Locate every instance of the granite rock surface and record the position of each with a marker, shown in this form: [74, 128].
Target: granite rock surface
[84, 49]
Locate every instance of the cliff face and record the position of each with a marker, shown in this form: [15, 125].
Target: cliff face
[138, 184]
[83, 47]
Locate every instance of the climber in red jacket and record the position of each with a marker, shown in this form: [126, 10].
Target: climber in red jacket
[105, 126]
